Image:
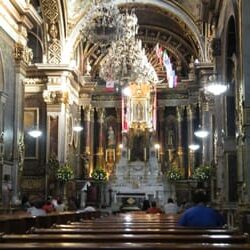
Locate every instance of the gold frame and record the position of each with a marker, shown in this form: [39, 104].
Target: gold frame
[30, 120]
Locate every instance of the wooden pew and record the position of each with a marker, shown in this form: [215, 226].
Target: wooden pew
[107, 230]
[123, 246]
[21, 223]
[133, 238]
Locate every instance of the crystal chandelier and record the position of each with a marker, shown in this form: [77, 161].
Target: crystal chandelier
[102, 23]
[126, 60]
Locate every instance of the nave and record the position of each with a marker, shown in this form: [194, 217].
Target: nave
[110, 103]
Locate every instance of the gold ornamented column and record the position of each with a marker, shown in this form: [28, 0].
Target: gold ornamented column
[23, 57]
[100, 153]
[119, 132]
[88, 118]
[180, 152]
[190, 124]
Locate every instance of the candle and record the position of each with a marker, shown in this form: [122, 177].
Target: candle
[145, 154]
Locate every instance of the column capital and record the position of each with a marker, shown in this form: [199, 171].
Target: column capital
[191, 111]
[55, 97]
[89, 110]
[101, 114]
[180, 112]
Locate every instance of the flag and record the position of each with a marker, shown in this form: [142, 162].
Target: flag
[159, 52]
[110, 85]
[175, 81]
[166, 62]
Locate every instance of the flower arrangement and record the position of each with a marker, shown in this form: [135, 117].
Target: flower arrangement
[64, 173]
[174, 174]
[53, 163]
[99, 174]
[202, 173]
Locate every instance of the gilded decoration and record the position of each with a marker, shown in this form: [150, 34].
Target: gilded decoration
[55, 97]
[22, 53]
[51, 12]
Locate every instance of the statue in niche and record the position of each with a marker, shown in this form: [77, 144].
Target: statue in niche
[170, 137]
[139, 111]
[111, 137]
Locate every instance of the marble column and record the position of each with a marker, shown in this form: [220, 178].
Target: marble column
[190, 125]
[100, 153]
[245, 52]
[180, 151]
[21, 63]
[207, 145]
[3, 98]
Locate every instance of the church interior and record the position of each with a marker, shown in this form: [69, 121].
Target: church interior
[111, 102]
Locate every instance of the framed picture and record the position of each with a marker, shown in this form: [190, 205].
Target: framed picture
[31, 121]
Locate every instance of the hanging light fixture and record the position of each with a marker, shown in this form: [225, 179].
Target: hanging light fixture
[215, 87]
[194, 147]
[126, 60]
[35, 133]
[78, 128]
[201, 133]
[102, 23]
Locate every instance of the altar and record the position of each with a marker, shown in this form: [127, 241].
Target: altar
[138, 181]
[137, 174]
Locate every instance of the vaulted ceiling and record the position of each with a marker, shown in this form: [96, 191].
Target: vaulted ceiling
[177, 25]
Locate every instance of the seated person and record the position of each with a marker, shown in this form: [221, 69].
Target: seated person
[36, 209]
[153, 209]
[60, 207]
[146, 205]
[171, 207]
[200, 215]
[48, 207]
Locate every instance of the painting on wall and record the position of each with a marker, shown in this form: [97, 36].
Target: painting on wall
[31, 118]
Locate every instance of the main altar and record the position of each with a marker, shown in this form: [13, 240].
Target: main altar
[137, 175]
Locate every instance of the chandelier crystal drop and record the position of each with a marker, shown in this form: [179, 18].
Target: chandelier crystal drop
[102, 23]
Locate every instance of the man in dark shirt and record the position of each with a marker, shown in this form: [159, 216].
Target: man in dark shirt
[200, 215]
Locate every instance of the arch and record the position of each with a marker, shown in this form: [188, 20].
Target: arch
[1, 72]
[168, 6]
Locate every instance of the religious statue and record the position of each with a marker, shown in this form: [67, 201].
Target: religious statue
[84, 191]
[111, 137]
[139, 111]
